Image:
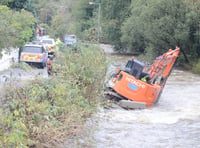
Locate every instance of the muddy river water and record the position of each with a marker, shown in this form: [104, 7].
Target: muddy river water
[173, 123]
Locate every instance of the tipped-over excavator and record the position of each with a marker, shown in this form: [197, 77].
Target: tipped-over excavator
[138, 85]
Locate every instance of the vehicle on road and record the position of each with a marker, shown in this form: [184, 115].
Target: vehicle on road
[50, 45]
[138, 85]
[70, 40]
[33, 53]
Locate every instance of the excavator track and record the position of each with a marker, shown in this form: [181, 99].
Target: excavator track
[122, 102]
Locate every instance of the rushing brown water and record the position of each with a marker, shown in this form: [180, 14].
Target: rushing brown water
[173, 123]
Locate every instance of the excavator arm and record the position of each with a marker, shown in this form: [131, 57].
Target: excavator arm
[162, 66]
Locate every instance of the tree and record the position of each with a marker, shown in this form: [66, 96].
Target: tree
[18, 4]
[193, 20]
[5, 2]
[114, 13]
[58, 27]
[165, 26]
[82, 14]
[54, 15]
[16, 28]
[159, 25]
[133, 35]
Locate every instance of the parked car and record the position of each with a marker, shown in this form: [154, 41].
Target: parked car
[49, 44]
[70, 40]
[34, 53]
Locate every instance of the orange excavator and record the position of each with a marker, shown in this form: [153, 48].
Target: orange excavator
[137, 85]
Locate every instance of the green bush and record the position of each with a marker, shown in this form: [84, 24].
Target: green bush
[196, 67]
[43, 113]
[16, 28]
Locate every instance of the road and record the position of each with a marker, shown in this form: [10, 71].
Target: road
[7, 59]
[9, 75]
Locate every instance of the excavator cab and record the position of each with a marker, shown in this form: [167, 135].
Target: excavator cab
[134, 68]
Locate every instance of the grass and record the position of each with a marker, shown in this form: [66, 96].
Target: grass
[22, 65]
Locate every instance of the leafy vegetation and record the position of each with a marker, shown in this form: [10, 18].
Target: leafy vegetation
[16, 28]
[24, 66]
[152, 27]
[136, 26]
[196, 67]
[161, 25]
[148, 27]
[44, 113]
[82, 17]
[18, 4]
[54, 15]
[114, 13]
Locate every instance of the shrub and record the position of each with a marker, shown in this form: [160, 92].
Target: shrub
[196, 67]
[44, 112]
